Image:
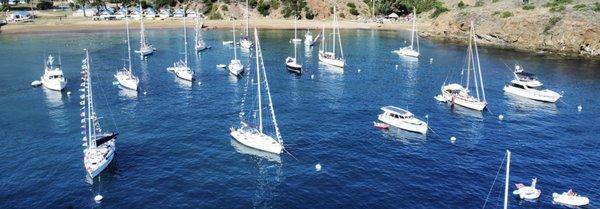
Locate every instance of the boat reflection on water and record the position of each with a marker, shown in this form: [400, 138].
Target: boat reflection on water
[187, 85]
[331, 69]
[242, 149]
[525, 104]
[53, 98]
[127, 93]
[403, 136]
[465, 111]
[307, 52]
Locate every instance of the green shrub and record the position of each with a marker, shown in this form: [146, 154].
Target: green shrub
[225, 8]
[263, 8]
[215, 16]
[461, 5]
[496, 13]
[506, 14]
[342, 15]
[308, 13]
[438, 11]
[351, 5]
[252, 3]
[353, 11]
[558, 8]
[43, 5]
[528, 7]
[596, 7]
[479, 3]
[580, 7]
[495, 1]
[551, 23]
[274, 4]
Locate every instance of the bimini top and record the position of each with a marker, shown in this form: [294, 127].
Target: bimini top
[525, 75]
[397, 111]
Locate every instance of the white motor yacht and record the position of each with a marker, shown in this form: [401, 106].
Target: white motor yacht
[402, 119]
[53, 77]
[526, 85]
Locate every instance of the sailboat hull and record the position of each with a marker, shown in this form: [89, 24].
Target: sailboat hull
[292, 65]
[407, 52]
[329, 59]
[96, 160]
[254, 139]
[126, 81]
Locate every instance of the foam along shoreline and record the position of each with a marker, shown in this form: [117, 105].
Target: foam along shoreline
[85, 25]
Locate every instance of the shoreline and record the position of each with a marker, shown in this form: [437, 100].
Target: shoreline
[83, 25]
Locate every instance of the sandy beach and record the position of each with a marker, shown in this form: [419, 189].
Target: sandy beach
[72, 24]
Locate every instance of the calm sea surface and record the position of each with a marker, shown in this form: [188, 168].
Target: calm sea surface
[175, 150]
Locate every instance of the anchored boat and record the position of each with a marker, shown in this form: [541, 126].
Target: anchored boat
[527, 85]
[401, 119]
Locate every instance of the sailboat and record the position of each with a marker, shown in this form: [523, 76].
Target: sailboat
[457, 94]
[180, 68]
[235, 65]
[53, 77]
[329, 57]
[410, 51]
[254, 136]
[292, 63]
[199, 43]
[245, 40]
[125, 76]
[99, 146]
[145, 48]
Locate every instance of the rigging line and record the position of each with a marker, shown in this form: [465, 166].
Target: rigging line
[284, 149]
[492, 187]
[108, 106]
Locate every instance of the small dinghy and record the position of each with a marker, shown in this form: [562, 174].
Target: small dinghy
[570, 198]
[221, 65]
[440, 98]
[227, 42]
[527, 192]
[36, 83]
[381, 125]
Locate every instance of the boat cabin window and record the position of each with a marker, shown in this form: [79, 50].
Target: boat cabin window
[518, 86]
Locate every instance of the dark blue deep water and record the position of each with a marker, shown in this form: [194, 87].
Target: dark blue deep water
[175, 150]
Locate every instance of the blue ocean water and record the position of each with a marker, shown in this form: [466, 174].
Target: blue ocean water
[175, 150]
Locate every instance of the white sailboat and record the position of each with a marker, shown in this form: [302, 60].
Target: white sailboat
[330, 57]
[457, 94]
[180, 68]
[125, 76]
[245, 40]
[53, 77]
[199, 44]
[410, 51]
[145, 48]
[291, 63]
[99, 146]
[253, 136]
[235, 65]
[527, 85]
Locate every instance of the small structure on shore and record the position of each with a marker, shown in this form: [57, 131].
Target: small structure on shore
[88, 12]
[392, 16]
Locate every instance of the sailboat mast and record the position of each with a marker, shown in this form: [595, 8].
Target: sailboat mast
[334, 19]
[506, 180]
[128, 45]
[185, 42]
[469, 61]
[475, 76]
[412, 34]
[142, 35]
[479, 71]
[196, 30]
[247, 16]
[257, 47]
[323, 39]
[90, 105]
[234, 44]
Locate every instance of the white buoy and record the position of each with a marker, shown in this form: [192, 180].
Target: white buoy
[318, 166]
[452, 139]
[396, 67]
[98, 198]
[312, 76]
[145, 92]
[579, 108]
[199, 83]
[68, 93]
[501, 117]
[430, 60]
[359, 70]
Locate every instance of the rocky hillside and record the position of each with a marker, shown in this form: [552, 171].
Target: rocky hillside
[562, 26]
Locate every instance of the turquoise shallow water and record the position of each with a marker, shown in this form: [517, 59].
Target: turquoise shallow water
[174, 149]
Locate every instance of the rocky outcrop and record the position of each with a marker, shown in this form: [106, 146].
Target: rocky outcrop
[569, 32]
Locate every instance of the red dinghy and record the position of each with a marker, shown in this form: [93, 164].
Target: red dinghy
[381, 125]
